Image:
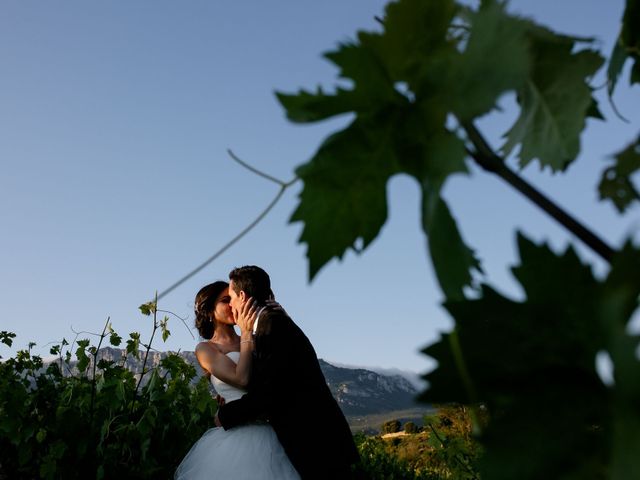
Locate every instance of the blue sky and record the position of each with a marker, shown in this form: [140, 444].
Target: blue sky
[114, 123]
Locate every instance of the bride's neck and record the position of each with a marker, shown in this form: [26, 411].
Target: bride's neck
[224, 334]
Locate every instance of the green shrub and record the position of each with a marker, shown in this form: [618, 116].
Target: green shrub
[445, 449]
[391, 426]
[411, 428]
[97, 420]
[381, 463]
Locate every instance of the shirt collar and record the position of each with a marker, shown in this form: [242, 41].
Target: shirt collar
[255, 324]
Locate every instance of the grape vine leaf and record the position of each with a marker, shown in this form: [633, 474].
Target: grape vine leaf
[554, 102]
[532, 363]
[620, 299]
[372, 88]
[452, 258]
[496, 59]
[626, 47]
[415, 45]
[394, 131]
[616, 184]
[344, 198]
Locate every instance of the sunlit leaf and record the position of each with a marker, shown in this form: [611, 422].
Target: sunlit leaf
[163, 327]
[147, 308]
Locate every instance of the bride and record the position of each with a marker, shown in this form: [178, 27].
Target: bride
[247, 452]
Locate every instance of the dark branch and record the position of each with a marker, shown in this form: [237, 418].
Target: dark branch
[490, 161]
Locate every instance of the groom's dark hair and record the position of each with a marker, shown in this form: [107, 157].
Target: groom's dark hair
[253, 280]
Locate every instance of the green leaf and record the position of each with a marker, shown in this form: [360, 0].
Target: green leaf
[621, 292]
[415, 41]
[7, 337]
[344, 196]
[615, 184]
[532, 362]
[305, 107]
[554, 103]
[133, 344]
[165, 331]
[148, 308]
[81, 355]
[594, 110]
[627, 46]
[452, 259]
[495, 60]
[115, 339]
[396, 129]
[372, 88]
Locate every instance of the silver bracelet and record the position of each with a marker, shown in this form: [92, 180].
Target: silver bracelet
[245, 341]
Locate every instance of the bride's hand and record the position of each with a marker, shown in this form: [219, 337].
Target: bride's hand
[246, 315]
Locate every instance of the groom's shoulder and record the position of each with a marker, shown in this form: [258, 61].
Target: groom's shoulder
[272, 318]
[272, 314]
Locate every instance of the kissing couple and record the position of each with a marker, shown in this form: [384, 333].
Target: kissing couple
[277, 419]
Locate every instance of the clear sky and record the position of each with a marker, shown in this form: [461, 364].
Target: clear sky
[115, 118]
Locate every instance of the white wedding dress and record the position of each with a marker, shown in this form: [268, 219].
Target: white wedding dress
[249, 452]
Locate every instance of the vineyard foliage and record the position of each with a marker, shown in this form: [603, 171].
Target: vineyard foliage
[85, 417]
[415, 88]
[443, 449]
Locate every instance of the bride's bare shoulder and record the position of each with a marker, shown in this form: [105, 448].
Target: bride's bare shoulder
[206, 349]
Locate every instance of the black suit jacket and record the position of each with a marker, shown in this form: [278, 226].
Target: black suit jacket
[288, 388]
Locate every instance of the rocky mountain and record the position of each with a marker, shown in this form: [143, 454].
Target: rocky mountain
[361, 393]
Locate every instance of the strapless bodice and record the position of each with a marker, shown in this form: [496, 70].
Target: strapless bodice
[228, 392]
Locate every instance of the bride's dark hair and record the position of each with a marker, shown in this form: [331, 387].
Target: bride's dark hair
[204, 305]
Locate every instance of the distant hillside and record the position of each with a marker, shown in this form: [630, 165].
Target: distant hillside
[366, 398]
[364, 392]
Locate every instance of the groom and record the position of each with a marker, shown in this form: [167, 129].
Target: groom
[288, 388]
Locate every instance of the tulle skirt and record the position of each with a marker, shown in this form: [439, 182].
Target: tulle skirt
[248, 452]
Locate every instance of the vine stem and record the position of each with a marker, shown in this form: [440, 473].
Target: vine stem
[93, 377]
[491, 162]
[146, 353]
[283, 187]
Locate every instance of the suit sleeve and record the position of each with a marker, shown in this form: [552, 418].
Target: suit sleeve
[270, 372]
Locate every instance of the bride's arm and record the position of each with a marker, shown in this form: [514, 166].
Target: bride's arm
[221, 366]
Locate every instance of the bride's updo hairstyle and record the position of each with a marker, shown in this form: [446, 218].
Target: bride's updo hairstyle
[205, 303]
